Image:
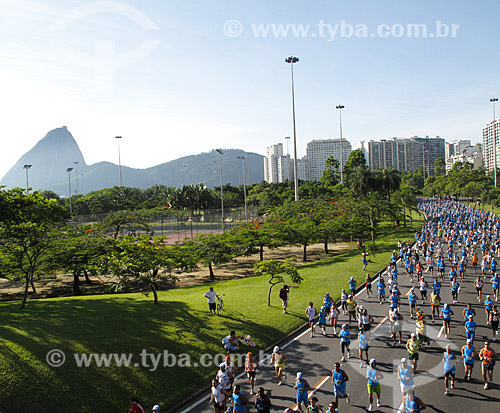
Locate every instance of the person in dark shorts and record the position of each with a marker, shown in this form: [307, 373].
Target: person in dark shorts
[219, 397]
[251, 366]
[262, 401]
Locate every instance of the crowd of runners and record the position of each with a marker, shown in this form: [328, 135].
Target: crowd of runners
[445, 255]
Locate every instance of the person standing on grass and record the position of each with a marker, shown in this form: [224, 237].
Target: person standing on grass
[262, 401]
[302, 386]
[278, 358]
[488, 356]
[339, 382]
[450, 369]
[468, 356]
[135, 406]
[311, 317]
[211, 295]
[251, 366]
[365, 261]
[446, 314]
[283, 294]
[373, 377]
[218, 397]
[494, 320]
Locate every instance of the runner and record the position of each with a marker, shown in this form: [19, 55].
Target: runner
[334, 317]
[495, 283]
[381, 289]
[314, 407]
[262, 401]
[413, 404]
[302, 386]
[394, 300]
[450, 369]
[351, 308]
[435, 303]
[251, 366]
[423, 289]
[345, 342]
[231, 368]
[455, 288]
[224, 378]
[446, 314]
[339, 382]
[343, 302]
[332, 408]
[488, 306]
[218, 397]
[494, 320]
[469, 311]
[322, 320]
[413, 346]
[311, 317]
[352, 285]
[368, 285]
[468, 356]
[239, 400]
[327, 303]
[474, 262]
[396, 325]
[365, 320]
[412, 301]
[479, 287]
[373, 377]
[135, 406]
[279, 364]
[365, 261]
[405, 376]
[363, 346]
[488, 356]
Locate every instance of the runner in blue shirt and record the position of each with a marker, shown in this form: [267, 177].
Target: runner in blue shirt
[339, 382]
[488, 306]
[412, 300]
[373, 377]
[468, 355]
[327, 302]
[381, 290]
[352, 285]
[495, 282]
[302, 386]
[470, 328]
[450, 369]
[322, 320]
[446, 313]
[455, 287]
[345, 342]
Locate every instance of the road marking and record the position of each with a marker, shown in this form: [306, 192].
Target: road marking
[379, 324]
[440, 332]
[314, 388]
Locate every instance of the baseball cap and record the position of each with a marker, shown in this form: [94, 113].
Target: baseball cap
[228, 357]
[413, 335]
[469, 340]
[222, 365]
[344, 325]
[156, 408]
[327, 293]
[403, 360]
[299, 375]
[373, 361]
[276, 349]
[249, 353]
[322, 308]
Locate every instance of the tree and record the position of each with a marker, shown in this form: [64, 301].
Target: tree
[331, 175]
[276, 271]
[439, 167]
[27, 224]
[118, 221]
[389, 180]
[257, 235]
[355, 160]
[362, 181]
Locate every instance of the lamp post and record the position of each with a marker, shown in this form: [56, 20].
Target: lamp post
[493, 100]
[221, 191]
[293, 60]
[77, 185]
[69, 184]
[287, 138]
[27, 167]
[119, 159]
[340, 107]
[244, 186]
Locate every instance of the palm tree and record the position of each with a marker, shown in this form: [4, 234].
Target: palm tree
[390, 180]
[362, 180]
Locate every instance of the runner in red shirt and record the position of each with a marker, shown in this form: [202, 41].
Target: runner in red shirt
[135, 407]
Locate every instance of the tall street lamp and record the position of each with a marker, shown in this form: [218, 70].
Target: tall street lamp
[340, 107]
[27, 167]
[77, 185]
[119, 159]
[493, 100]
[293, 60]
[221, 191]
[69, 184]
[244, 186]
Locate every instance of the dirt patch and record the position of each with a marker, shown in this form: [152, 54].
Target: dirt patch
[62, 285]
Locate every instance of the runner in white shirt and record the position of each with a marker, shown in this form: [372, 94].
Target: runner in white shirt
[311, 316]
[334, 316]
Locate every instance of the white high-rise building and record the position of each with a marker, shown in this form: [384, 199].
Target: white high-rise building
[491, 138]
[277, 167]
[318, 151]
[472, 154]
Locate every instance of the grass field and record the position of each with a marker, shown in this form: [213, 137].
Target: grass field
[129, 323]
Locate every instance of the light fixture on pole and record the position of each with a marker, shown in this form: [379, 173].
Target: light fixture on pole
[340, 107]
[244, 186]
[293, 60]
[287, 138]
[493, 100]
[69, 184]
[221, 191]
[27, 167]
[119, 159]
[77, 185]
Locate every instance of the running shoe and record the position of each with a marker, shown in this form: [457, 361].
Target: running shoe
[342, 359]
[378, 403]
[347, 399]
[370, 407]
[486, 386]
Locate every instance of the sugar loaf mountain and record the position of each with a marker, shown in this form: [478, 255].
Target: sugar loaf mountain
[58, 151]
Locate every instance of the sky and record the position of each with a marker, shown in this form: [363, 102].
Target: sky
[181, 77]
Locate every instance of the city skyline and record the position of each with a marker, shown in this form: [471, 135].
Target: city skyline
[188, 85]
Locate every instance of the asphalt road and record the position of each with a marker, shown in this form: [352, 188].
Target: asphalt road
[314, 357]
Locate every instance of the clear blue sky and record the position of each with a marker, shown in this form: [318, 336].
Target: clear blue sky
[165, 75]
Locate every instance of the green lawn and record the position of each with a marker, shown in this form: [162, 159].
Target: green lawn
[130, 323]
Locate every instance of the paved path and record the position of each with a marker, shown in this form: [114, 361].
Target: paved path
[315, 357]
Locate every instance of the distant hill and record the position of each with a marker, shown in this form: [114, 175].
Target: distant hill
[58, 150]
